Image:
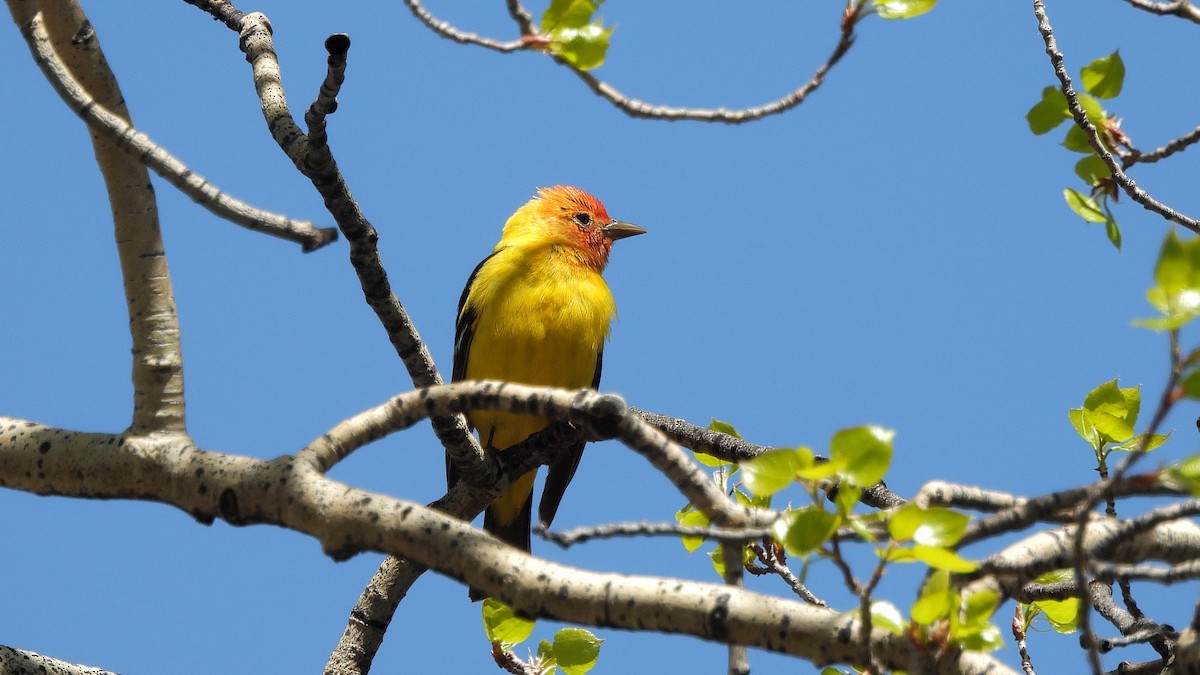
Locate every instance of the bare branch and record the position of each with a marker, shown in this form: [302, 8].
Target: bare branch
[644, 529]
[19, 662]
[1168, 575]
[63, 29]
[448, 31]
[1177, 145]
[531, 40]
[771, 556]
[1179, 8]
[141, 148]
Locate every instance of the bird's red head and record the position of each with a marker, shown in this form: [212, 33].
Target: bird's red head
[577, 219]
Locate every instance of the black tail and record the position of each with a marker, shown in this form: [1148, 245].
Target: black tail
[515, 534]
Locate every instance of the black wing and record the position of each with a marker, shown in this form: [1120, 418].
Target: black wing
[562, 467]
[464, 332]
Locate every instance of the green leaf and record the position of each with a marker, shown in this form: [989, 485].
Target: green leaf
[576, 33]
[1076, 140]
[709, 460]
[985, 638]
[1186, 474]
[1112, 231]
[1049, 112]
[803, 530]
[545, 655]
[1190, 385]
[902, 9]
[970, 627]
[1104, 77]
[569, 14]
[1113, 411]
[1080, 419]
[899, 555]
[1084, 206]
[1063, 615]
[1092, 170]
[717, 558]
[1095, 111]
[885, 615]
[936, 600]
[1134, 444]
[771, 471]
[576, 650]
[690, 516]
[1173, 269]
[1176, 292]
[504, 626]
[936, 526]
[584, 48]
[811, 470]
[980, 606]
[943, 559]
[866, 451]
[723, 428]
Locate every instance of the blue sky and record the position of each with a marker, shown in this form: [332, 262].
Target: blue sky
[894, 251]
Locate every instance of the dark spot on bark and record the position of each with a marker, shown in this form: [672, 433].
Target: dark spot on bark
[717, 617]
[203, 489]
[44, 447]
[227, 506]
[844, 636]
[199, 471]
[373, 517]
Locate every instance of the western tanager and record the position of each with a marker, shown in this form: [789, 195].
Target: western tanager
[537, 311]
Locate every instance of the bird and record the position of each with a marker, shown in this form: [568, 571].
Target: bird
[537, 311]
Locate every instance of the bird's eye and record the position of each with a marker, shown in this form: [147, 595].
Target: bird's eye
[582, 219]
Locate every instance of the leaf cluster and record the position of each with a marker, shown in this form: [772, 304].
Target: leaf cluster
[1100, 79]
[574, 651]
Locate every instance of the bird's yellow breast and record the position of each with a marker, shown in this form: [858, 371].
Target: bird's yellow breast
[541, 320]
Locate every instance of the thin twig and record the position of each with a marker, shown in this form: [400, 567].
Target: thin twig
[531, 40]
[1134, 156]
[580, 535]
[448, 31]
[1018, 631]
[1179, 8]
[139, 146]
[768, 554]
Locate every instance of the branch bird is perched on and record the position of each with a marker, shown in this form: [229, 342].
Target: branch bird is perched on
[537, 311]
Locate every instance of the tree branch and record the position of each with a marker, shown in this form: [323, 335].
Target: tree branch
[346, 520]
[1127, 184]
[158, 405]
[1179, 8]
[530, 40]
[20, 662]
[143, 150]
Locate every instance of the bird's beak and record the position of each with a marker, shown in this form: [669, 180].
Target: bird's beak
[620, 230]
